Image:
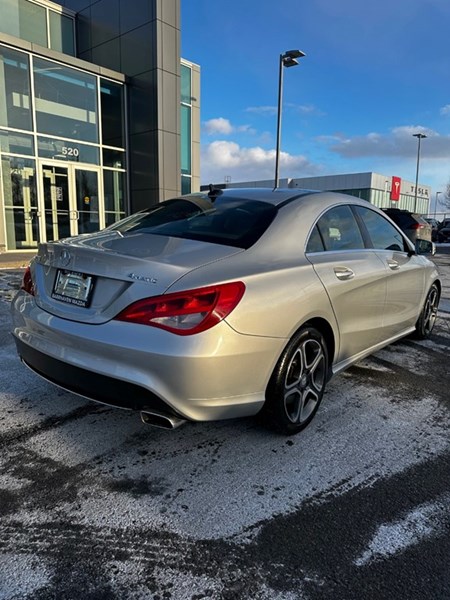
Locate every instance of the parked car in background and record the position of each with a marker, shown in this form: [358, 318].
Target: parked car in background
[415, 226]
[443, 234]
[228, 304]
[434, 228]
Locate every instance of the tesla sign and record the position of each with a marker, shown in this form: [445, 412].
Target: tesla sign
[395, 188]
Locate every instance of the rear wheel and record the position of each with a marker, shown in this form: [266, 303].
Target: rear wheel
[427, 319]
[298, 382]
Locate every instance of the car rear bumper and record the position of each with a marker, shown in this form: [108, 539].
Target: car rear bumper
[217, 374]
[94, 386]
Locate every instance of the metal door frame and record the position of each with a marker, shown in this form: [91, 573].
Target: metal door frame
[73, 209]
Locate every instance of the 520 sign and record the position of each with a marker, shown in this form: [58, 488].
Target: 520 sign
[70, 151]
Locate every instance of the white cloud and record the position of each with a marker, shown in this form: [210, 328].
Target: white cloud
[398, 143]
[269, 111]
[445, 110]
[262, 110]
[219, 125]
[305, 109]
[222, 159]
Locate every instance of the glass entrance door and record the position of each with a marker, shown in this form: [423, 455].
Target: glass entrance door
[55, 180]
[18, 179]
[70, 200]
[86, 197]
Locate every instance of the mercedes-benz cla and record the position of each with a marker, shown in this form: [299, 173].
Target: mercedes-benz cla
[228, 304]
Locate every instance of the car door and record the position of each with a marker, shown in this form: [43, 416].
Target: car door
[354, 278]
[405, 272]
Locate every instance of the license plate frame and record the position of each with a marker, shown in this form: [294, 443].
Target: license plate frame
[73, 287]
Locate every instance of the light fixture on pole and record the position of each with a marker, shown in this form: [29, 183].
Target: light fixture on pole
[436, 203]
[419, 136]
[288, 59]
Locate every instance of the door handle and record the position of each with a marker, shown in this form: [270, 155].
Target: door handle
[343, 273]
[393, 264]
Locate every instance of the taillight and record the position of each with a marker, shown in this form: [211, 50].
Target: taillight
[27, 282]
[417, 226]
[186, 313]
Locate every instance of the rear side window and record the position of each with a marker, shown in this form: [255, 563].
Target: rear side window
[236, 222]
[382, 233]
[338, 230]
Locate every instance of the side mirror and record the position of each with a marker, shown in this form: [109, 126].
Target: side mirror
[425, 247]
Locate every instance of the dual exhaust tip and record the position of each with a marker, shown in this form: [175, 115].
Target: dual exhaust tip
[160, 420]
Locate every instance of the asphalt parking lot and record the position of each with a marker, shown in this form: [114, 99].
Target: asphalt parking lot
[96, 505]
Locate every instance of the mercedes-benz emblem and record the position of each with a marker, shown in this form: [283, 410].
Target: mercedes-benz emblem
[65, 258]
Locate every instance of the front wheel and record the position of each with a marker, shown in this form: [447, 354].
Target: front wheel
[298, 382]
[427, 318]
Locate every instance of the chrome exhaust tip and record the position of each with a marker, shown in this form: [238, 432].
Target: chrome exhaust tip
[159, 420]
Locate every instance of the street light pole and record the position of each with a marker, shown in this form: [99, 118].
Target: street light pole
[419, 136]
[288, 59]
[436, 203]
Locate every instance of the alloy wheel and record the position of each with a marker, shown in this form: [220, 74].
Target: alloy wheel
[305, 380]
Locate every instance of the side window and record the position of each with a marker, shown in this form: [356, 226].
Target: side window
[315, 243]
[383, 234]
[339, 229]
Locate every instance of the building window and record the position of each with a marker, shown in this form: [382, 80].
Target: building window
[66, 101]
[186, 184]
[15, 109]
[61, 33]
[186, 85]
[186, 129]
[67, 150]
[38, 24]
[16, 143]
[185, 140]
[114, 186]
[111, 98]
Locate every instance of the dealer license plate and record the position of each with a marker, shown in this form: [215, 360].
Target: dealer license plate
[73, 288]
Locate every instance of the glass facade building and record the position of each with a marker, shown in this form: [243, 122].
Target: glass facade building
[86, 134]
[62, 149]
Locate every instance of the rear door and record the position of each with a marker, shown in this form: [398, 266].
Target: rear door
[354, 278]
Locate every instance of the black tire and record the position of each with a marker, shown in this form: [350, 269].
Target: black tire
[297, 384]
[427, 318]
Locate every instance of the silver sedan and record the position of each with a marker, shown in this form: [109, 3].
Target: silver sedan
[224, 304]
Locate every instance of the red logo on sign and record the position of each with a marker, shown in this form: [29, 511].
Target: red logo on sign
[395, 188]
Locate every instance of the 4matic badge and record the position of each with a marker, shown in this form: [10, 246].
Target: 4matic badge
[142, 278]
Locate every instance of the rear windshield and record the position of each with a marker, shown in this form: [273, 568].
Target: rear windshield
[405, 219]
[230, 222]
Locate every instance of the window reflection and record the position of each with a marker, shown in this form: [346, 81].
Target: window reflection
[15, 109]
[61, 33]
[28, 21]
[111, 95]
[383, 234]
[67, 150]
[16, 143]
[20, 199]
[186, 140]
[114, 186]
[185, 85]
[66, 101]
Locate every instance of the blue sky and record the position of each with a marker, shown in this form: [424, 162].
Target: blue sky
[374, 74]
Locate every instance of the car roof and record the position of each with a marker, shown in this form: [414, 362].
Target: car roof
[276, 196]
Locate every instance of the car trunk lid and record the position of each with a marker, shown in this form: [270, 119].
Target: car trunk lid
[92, 278]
